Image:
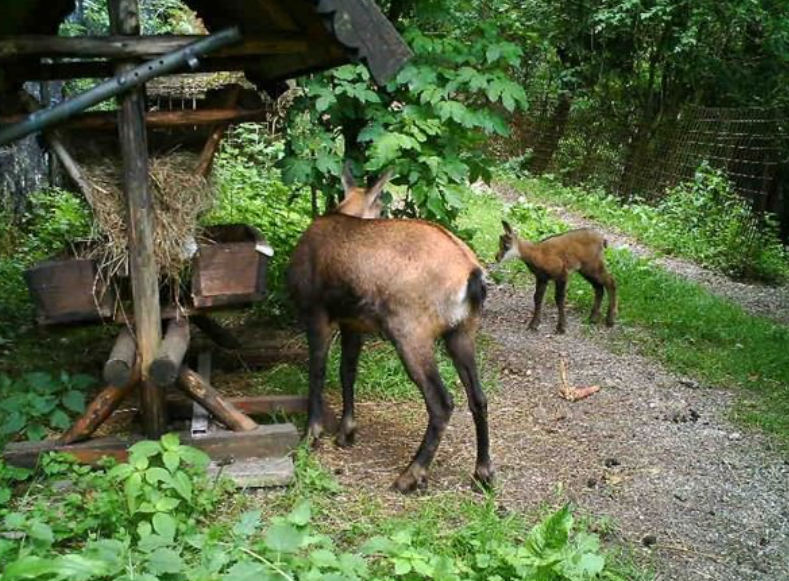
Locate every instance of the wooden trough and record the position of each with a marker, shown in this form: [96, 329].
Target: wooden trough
[69, 291]
[231, 269]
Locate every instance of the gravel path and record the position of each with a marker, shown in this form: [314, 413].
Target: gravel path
[655, 454]
[757, 299]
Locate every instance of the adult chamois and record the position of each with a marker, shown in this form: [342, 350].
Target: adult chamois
[410, 280]
[555, 258]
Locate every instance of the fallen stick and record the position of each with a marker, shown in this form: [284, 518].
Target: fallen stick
[572, 394]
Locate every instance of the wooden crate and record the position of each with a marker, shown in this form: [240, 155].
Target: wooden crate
[232, 270]
[68, 291]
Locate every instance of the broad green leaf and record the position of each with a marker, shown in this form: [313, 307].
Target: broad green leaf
[36, 432]
[144, 529]
[164, 561]
[41, 382]
[171, 460]
[170, 441]
[165, 525]
[29, 568]
[167, 504]
[81, 382]
[153, 542]
[41, 532]
[132, 488]
[146, 448]
[14, 422]
[247, 571]
[283, 538]
[78, 567]
[120, 472]
[324, 558]
[156, 474]
[301, 514]
[378, 545]
[247, 524]
[14, 521]
[193, 456]
[402, 566]
[74, 401]
[182, 485]
[59, 420]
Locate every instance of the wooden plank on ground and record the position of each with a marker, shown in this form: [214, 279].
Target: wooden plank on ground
[256, 472]
[268, 441]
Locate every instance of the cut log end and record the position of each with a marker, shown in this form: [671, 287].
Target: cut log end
[165, 368]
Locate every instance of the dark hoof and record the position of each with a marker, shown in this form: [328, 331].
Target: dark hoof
[533, 328]
[609, 324]
[409, 482]
[313, 435]
[561, 330]
[345, 439]
[484, 477]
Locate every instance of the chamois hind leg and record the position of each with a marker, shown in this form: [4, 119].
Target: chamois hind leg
[599, 291]
[319, 336]
[539, 294]
[351, 343]
[561, 295]
[417, 355]
[462, 349]
[610, 286]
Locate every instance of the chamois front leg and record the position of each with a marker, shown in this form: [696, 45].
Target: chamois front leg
[351, 343]
[539, 295]
[419, 361]
[561, 296]
[319, 336]
[462, 350]
[610, 285]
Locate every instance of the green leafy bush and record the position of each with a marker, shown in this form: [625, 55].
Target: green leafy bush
[707, 220]
[703, 220]
[431, 123]
[35, 402]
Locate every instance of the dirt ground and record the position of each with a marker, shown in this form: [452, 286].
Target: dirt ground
[651, 451]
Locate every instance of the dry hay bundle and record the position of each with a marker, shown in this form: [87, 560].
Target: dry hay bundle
[179, 194]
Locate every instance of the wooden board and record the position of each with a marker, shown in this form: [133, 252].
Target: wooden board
[232, 271]
[269, 441]
[63, 292]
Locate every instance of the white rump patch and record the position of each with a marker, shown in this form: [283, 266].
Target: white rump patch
[456, 310]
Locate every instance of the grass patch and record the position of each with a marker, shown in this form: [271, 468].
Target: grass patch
[381, 375]
[664, 316]
[703, 220]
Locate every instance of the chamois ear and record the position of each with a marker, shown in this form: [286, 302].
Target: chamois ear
[348, 182]
[375, 191]
[507, 228]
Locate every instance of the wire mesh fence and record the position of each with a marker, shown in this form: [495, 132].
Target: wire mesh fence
[749, 145]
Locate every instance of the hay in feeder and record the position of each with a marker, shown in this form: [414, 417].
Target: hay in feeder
[179, 194]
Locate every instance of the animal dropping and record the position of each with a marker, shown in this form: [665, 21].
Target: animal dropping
[412, 281]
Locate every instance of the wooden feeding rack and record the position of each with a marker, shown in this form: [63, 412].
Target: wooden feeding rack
[270, 41]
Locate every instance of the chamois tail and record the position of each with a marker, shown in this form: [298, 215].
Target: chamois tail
[476, 289]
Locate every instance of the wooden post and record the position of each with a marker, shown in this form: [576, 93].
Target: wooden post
[212, 143]
[125, 19]
[164, 369]
[208, 397]
[100, 409]
[121, 362]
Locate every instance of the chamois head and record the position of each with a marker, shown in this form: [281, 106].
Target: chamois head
[508, 244]
[361, 202]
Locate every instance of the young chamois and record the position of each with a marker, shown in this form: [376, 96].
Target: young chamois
[555, 258]
[412, 281]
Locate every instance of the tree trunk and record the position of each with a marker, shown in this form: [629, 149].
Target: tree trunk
[549, 139]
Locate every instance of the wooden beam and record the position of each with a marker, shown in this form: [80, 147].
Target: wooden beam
[125, 19]
[216, 332]
[164, 369]
[121, 363]
[131, 47]
[100, 409]
[269, 441]
[261, 405]
[156, 119]
[206, 395]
